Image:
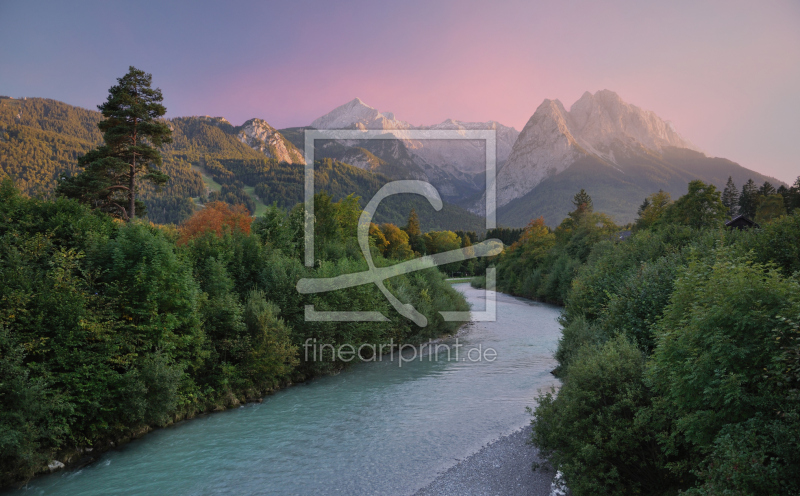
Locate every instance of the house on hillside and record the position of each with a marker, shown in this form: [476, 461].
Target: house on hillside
[741, 222]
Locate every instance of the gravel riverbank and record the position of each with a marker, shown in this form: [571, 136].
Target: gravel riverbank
[502, 468]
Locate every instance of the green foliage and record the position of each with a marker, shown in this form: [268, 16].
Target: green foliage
[109, 327]
[598, 431]
[132, 134]
[709, 319]
[49, 138]
[508, 235]
[716, 341]
[700, 207]
[748, 199]
[542, 264]
[770, 208]
[652, 209]
[730, 197]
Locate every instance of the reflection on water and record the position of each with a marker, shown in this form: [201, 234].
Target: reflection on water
[373, 429]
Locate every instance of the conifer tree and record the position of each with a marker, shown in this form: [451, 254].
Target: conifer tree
[766, 189]
[730, 197]
[132, 133]
[748, 200]
[582, 201]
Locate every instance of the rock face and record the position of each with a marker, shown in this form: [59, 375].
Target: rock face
[260, 136]
[600, 125]
[455, 167]
[467, 156]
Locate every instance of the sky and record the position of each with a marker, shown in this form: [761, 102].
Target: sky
[726, 73]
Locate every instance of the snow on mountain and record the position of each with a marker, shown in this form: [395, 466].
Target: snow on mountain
[453, 157]
[356, 114]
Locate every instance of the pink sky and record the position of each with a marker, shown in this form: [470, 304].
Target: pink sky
[727, 74]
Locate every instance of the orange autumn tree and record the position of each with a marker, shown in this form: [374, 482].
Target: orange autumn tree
[216, 217]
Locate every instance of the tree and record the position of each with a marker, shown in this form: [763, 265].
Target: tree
[701, 206]
[412, 228]
[397, 240]
[441, 241]
[216, 217]
[770, 208]
[582, 202]
[748, 200]
[652, 208]
[730, 197]
[766, 189]
[377, 238]
[132, 134]
[414, 232]
[793, 196]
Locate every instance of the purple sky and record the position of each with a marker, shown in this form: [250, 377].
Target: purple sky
[727, 74]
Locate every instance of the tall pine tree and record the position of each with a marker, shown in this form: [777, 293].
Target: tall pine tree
[748, 200]
[132, 133]
[730, 197]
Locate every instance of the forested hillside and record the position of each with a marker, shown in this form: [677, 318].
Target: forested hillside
[41, 139]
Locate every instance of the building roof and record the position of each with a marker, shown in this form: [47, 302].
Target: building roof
[741, 222]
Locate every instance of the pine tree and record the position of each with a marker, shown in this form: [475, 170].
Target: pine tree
[730, 197]
[748, 200]
[582, 202]
[766, 189]
[132, 134]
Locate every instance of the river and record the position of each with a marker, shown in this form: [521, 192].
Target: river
[376, 428]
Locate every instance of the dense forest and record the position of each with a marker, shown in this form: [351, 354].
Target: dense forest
[680, 353]
[108, 328]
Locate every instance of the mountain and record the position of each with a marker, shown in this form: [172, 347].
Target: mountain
[455, 167]
[208, 159]
[618, 152]
[260, 136]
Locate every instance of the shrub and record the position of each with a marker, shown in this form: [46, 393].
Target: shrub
[598, 432]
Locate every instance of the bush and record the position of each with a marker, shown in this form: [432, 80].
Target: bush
[574, 336]
[598, 431]
[717, 343]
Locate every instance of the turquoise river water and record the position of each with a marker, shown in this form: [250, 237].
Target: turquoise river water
[376, 428]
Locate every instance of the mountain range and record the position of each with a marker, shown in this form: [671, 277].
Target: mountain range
[616, 151]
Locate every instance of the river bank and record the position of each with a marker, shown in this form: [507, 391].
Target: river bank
[500, 468]
[374, 428]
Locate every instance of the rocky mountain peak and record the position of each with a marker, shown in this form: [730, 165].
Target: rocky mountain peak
[600, 125]
[604, 118]
[260, 136]
[356, 114]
